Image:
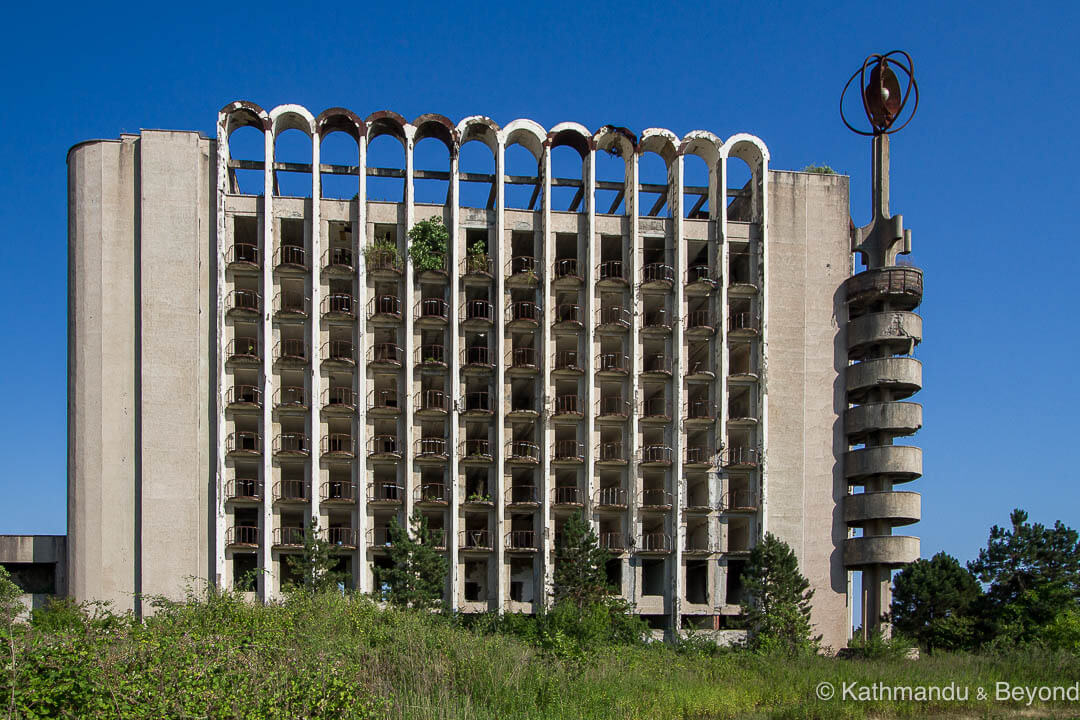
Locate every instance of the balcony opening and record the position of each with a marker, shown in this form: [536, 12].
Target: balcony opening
[567, 491]
[293, 241]
[654, 184]
[292, 147]
[614, 311]
[523, 163]
[246, 232]
[567, 356]
[522, 580]
[654, 252]
[699, 358]
[697, 536]
[567, 263]
[654, 489]
[613, 571]
[697, 490]
[741, 359]
[742, 404]
[523, 432]
[741, 267]
[700, 447]
[612, 537]
[697, 184]
[341, 149]
[656, 315]
[568, 172]
[523, 253]
[245, 567]
[739, 535]
[523, 396]
[654, 400]
[476, 580]
[612, 401]
[735, 591]
[699, 264]
[476, 158]
[436, 523]
[477, 485]
[247, 517]
[477, 533]
[386, 156]
[653, 576]
[697, 582]
[611, 174]
[247, 152]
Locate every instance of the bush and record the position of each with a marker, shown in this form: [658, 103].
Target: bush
[429, 242]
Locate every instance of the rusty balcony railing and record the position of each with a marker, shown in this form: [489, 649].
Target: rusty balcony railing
[700, 455]
[291, 303]
[342, 537]
[243, 301]
[523, 265]
[701, 321]
[611, 452]
[431, 308]
[657, 273]
[437, 268]
[699, 409]
[657, 454]
[384, 445]
[698, 544]
[701, 274]
[654, 542]
[384, 400]
[568, 495]
[474, 540]
[476, 448]
[387, 306]
[738, 500]
[243, 349]
[656, 319]
[242, 535]
[431, 355]
[569, 314]
[432, 401]
[431, 494]
[479, 401]
[569, 405]
[341, 397]
[243, 254]
[611, 362]
[611, 497]
[437, 538]
[523, 450]
[569, 360]
[244, 488]
[340, 444]
[290, 397]
[519, 494]
[655, 499]
[339, 258]
[339, 491]
[479, 311]
[744, 322]
[524, 312]
[659, 363]
[292, 255]
[430, 447]
[379, 538]
[478, 264]
[613, 541]
[289, 537]
[244, 395]
[658, 407]
[387, 354]
[524, 358]
[291, 443]
[291, 490]
[611, 270]
[339, 305]
[521, 540]
[741, 456]
[566, 268]
[243, 443]
[380, 260]
[385, 492]
[568, 450]
[613, 406]
[478, 356]
[615, 316]
[292, 349]
[338, 351]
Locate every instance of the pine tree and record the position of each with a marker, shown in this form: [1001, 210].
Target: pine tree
[317, 566]
[417, 571]
[934, 602]
[580, 575]
[777, 606]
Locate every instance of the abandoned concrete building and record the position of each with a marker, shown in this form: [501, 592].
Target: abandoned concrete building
[689, 365]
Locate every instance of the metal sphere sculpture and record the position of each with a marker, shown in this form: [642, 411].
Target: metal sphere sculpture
[882, 99]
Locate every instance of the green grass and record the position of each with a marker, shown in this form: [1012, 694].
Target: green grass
[343, 657]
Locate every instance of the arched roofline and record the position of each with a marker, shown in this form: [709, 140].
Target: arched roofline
[481, 128]
[292, 117]
[338, 119]
[527, 133]
[660, 141]
[573, 135]
[386, 122]
[742, 145]
[608, 136]
[439, 127]
[704, 144]
[242, 113]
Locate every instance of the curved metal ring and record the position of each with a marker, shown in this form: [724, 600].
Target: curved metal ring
[912, 86]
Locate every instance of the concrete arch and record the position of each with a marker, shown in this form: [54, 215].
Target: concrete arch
[478, 127]
[386, 122]
[704, 144]
[339, 119]
[660, 141]
[242, 113]
[292, 117]
[572, 134]
[439, 127]
[609, 137]
[748, 148]
[527, 133]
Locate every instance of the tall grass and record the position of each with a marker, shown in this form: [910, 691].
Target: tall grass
[331, 656]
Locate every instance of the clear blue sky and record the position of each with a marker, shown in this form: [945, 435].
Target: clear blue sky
[984, 176]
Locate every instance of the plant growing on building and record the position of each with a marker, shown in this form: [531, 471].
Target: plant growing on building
[317, 566]
[776, 610]
[819, 169]
[382, 251]
[417, 571]
[429, 239]
[476, 256]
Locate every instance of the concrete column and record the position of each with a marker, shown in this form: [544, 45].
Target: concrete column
[360, 476]
[454, 251]
[678, 441]
[496, 247]
[315, 335]
[409, 299]
[222, 236]
[546, 434]
[634, 352]
[267, 582]
[591, 304]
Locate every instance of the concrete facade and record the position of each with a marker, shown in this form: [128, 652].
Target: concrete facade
[677, 369]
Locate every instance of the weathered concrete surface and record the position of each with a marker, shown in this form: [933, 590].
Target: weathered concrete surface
[893, 550]
[44, 555]
[902, 463]
[900, 508]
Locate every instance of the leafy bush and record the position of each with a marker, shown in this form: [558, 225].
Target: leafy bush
[819, 169]
[428, 247]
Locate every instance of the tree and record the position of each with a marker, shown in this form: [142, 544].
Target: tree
[1031, 572]
[776, 610]
[417, 571]
[317, 566]
[935, 601]
[580, 575]
[428, 247]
